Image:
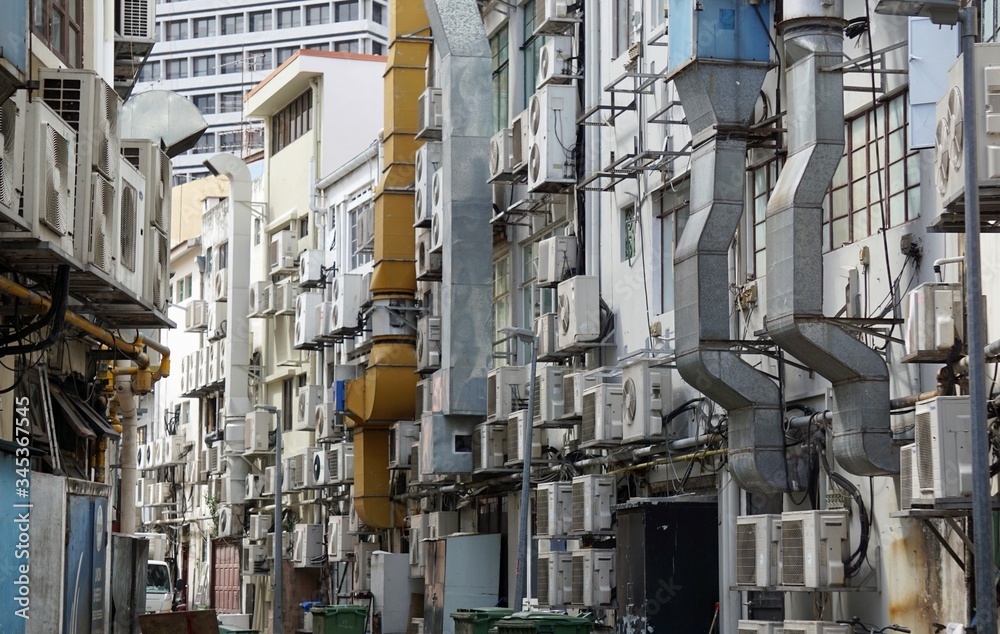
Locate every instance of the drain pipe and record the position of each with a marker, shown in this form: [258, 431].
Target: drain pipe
[862, 434]
[718, 98]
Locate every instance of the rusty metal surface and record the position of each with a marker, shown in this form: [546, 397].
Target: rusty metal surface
[195, 622]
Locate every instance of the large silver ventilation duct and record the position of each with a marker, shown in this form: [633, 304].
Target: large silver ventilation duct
[718, 99]
[813, 34]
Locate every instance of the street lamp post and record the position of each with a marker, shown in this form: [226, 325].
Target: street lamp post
[278, 619]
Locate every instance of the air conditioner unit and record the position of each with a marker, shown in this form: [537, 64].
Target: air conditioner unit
[601, 424]
[545, 330]
[933, 317]
[339, 542]
[221, 284]
[506, 391]
[132, 210]
[12, 120]
[402, 435]
[270, 300]
[554, 507]
[136, 22]
[271, 480]
[219, 461]
[646, 397]
[147, 157]
[254, 559]
[288, 475]
[173, 447]
[260, 526]
[428, 343]
[328, 426]
[428, 261]
[574, 385]
[140, 491]
[227, 525]
[437, 212]
[949, 155]
[910, 493]
[318, 474]
[593, 577]
[254, 489]
[217, 313]
[579, 311]
[324, 323]
[256, 430]
[555, 579]
[212, 375]
[552, 16]
[341, 459]
[519, 143]
[157, 453]
[196, 316]
[286, 546]
[442, 524]
[516, 430]
[549, 398]
[593, 496]
[556, 260]
[813, 627]
[757, 541]
[502, 156]
[759, 627]
[258, 299]
[284, 246]
[91, 107]
[140, 454]
[429, 114]
[347, 295]
[943, 437]
[164, 493]
[157, 269]
[552, 115]
[489, 447]
[311, 269]
[425, 163]
[304, 468]
[49, 196]
[305, 319]
[284, 298]
[555, 61]
[814, 547]
[417, 534]
[307, 549]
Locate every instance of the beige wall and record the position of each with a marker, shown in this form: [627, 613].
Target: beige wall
[187, 205]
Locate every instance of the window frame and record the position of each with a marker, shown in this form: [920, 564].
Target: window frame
[500, 65]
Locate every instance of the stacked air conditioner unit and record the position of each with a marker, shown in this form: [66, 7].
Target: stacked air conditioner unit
[341, 459]
[437, 211]
[256, 432]
[757, 548]
[593, 577]
[555, 579]
[417, 535]
[339, 542]
[593, 497]
[552, 113]
[545, 330]
[196, 316]
[91, 107]
[132, 222]
[213, 362]
[217, 316]
[943, 437]
[254, 559]
[319, 469]
[425, 163]
[574, 385]
[347, 295]
[140, 454]
[601, 416]
[428, 343]
[254, 487]
[402, 435]
[311, 269]
[260, 526]
[324, 322]
[216, 459]
[154, 165]
[306, 329]
[173, 447]
[220, 283]
[442, 524]
[362, 572]
[520, 143]
[910, 493]
[555, 61]
[516, 429]
[328, 426]
[157, 453]
[271, 475]
[140, 491]
[227, 525]
[933, 322]
[813, 627]
[284, 298]
[428, 260]
[556, 260]
[579, 311]
[12, 121]
[307, 547]
[270, 301]
[284, 246]
[553, 16]
[286, 546]
[430, 117]
[759, 627]
[505, 390]
[259, 299]
[309, 398]
[502, 156]
[549, 397]
[288, 474]
[646, 397]
[489, 446]
[814, 547]
[554, 503]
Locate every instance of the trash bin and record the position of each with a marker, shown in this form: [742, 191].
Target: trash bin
[478, 620]
[339, 619]
[544, 623]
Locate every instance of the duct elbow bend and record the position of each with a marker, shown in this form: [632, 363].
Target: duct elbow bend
[862, 432]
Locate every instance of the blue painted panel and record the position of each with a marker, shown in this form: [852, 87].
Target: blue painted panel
[13, 32]
[681, 47]
[79, 565]
[100, 565]
[933, 50]
[11, 557]
[719, 29]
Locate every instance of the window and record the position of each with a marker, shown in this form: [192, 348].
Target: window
[628, 233]
[204, 103]
[657, 13]
[347, 46]
[535, 301]
[205, 145]
[377, 48]
[878, 182]
[288, 18]
[345, 11]
[671, 208]
[184, 288]
[231, 102]
[498, 47]
[260, 60]
[361, 219]
[253, 138]
[317, 14]
[501, 295]
[285, 53]
[177, 30]
[303, 227]
[176, 68]
[150, 71]
[230, 142]
[59, 24]
[204, 66]
[222, 256]
[532, 48]
[230, 63]
[232, 24]
[203, 27]
[378, 13]
[622, 26]
[318, 46]
[291, 122]
[760, 184]
[260, 21]
[286, 404]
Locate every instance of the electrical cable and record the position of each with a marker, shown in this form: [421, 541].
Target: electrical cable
[853, 563]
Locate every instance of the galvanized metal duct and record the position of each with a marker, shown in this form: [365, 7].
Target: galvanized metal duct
[862, 435]
[718, 99]
[466, 295]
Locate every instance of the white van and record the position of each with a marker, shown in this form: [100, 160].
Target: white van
[159, 587]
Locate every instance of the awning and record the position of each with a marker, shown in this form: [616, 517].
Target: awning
[86, 422]
[98, 422]
[71, 414]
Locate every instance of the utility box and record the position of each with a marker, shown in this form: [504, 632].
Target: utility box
[668, 564]
[719, 30]
[462, 571]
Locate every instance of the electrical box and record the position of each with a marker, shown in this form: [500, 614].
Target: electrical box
[757, 546]
[943, 437]
[814, 546]
[725, 30]
[934, 320]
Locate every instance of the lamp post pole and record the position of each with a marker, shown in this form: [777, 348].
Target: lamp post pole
[278, 605]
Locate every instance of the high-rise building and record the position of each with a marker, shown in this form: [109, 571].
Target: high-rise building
[215, 52]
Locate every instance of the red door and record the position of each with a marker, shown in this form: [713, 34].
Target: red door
[226, 577]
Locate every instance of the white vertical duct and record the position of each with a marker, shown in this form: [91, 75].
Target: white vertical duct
[862, 437]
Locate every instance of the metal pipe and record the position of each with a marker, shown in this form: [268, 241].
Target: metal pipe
[520, 582]
[982, 517]
[278, 618]
[819, 418]
[127, 406]
[366, 155]
[695, 441]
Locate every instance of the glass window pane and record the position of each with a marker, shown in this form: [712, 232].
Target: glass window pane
[859, 194]
[897, 209]
[913, 169]
[841, 234]
[840, 202]
[859, 163]
[840, 176]
[897, 145]
[897, 177]
[858, 132]
[860, 222]
[896, 111]
[912, 203]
